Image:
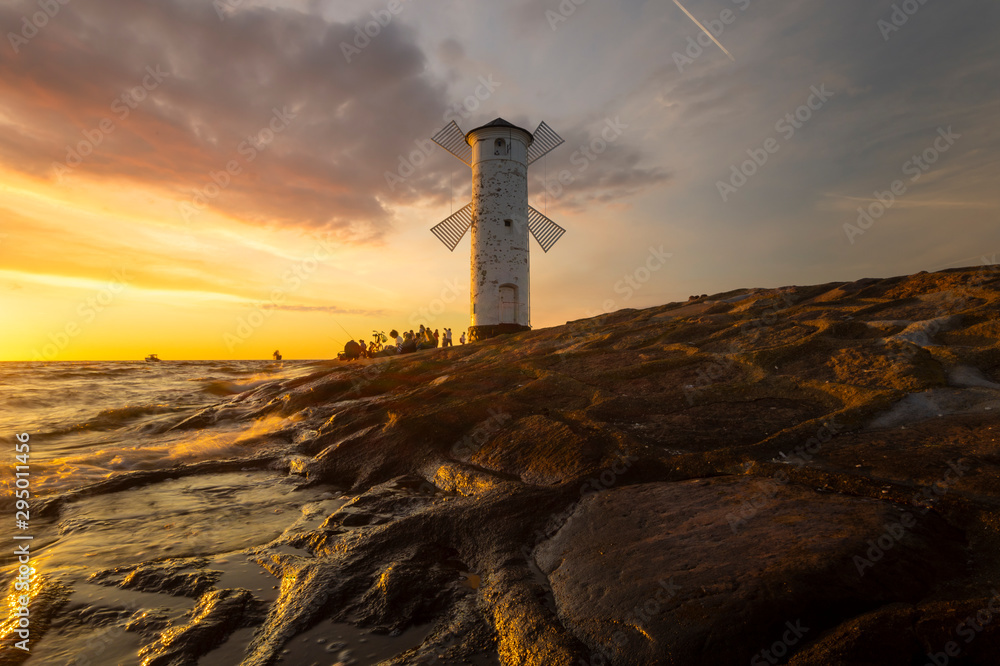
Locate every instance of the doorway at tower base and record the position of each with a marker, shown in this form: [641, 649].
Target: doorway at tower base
[485, 332]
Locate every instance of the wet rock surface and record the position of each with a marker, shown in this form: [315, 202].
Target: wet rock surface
[176, 577]
[218, 614]
[678, 573]
[807, 475]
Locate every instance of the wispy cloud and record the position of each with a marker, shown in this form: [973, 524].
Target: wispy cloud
[324, 309]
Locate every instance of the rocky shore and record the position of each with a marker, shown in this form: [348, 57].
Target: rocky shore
[806, 475]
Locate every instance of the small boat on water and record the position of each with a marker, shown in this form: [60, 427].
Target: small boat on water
[152, 358]
[276, 355]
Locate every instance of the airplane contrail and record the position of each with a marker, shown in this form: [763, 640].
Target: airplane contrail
[707, 32]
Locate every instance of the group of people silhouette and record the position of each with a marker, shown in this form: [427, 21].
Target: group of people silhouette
[405, 343]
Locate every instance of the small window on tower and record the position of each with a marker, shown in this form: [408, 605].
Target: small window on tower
[499, 147]
[508, 223]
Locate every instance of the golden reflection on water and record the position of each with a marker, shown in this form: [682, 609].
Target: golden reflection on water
[30, 588]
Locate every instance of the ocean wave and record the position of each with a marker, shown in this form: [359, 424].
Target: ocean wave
[81, 466]
[230, 369]
[247, 367]
[109, 419]
[86, 371]
[224, 387]
[29, 402]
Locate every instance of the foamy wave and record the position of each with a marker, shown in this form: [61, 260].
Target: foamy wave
[204, 445]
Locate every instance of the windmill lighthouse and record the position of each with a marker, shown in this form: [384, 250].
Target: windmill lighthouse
[500, 217]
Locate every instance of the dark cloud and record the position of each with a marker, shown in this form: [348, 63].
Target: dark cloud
[597, 164]
[219, 85]
[190, 102]
[450, 51]
[934, 70]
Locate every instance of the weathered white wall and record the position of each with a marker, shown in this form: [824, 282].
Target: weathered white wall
[499, 253]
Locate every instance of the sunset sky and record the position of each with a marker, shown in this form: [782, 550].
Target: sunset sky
[210, 180]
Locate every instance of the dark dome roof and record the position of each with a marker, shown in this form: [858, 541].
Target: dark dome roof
[499, 122]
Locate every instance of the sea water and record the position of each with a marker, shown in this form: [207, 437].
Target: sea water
[88, 422]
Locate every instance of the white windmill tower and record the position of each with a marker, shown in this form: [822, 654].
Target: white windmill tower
[500, 217]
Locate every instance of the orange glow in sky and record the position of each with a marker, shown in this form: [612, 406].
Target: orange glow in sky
[206, 184]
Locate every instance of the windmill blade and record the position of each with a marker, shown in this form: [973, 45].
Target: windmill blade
[545, 141]
[450, 230]
[545, 231]
[452, 139]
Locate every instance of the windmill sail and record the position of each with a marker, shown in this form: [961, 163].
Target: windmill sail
[452, 139]
[450, 230]
[545, 231]
[545, 140]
